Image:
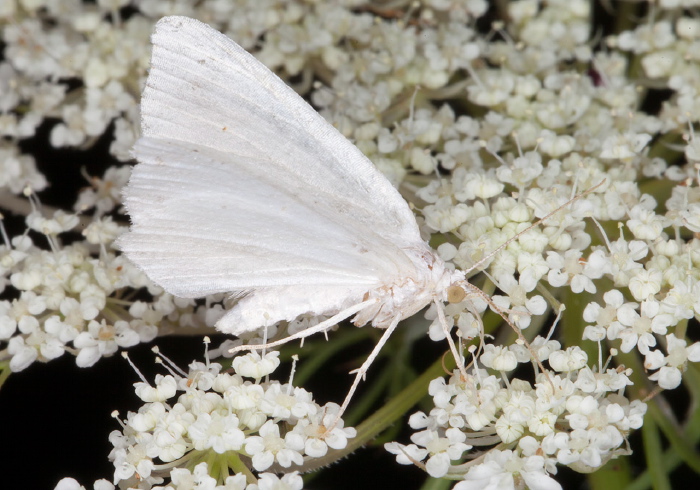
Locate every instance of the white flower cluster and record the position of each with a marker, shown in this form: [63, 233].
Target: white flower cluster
[69, 297]
[224, 424]
[538, 111]
[199, 479]
[572, 415]
[654, 274]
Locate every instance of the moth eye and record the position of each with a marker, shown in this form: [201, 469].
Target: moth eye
[455, 294]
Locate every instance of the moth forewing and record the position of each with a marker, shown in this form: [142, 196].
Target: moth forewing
[243, 188]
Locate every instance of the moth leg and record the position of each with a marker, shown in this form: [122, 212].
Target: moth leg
[521, 338]
[321, 327]
[459, 359]
[362, 370]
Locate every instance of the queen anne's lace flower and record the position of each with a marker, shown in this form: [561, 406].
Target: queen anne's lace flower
[202, 421]
[269, 447]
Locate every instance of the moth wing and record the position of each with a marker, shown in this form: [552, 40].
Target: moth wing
[205, 89]
[206, 221]
[269, 306]
[242, 187]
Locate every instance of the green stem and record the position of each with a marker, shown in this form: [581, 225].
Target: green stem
[675, 435]
[652, 451]
[691, 429]
[4, 372]
[436, 484]
[234, 461]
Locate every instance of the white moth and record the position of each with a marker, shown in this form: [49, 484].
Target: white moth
[242, 188]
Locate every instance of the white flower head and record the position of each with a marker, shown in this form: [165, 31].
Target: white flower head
[253, 365]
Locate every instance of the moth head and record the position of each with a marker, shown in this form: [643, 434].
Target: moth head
[456, 293]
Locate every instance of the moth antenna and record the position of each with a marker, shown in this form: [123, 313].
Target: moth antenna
[506, 310]
[469, 288]
[536, 223]
[478, 292]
